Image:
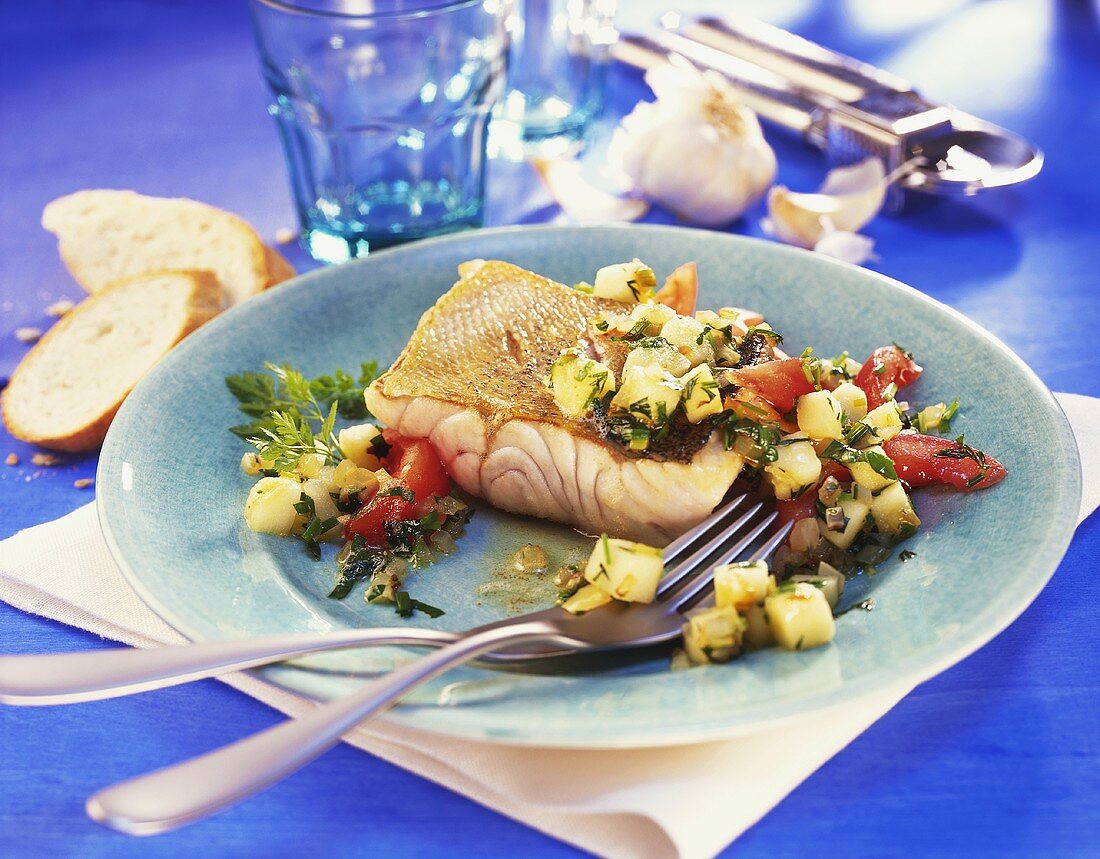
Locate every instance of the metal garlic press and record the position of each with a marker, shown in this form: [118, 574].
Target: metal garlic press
[848, 109]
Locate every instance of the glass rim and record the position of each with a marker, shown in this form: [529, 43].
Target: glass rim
[294, 8]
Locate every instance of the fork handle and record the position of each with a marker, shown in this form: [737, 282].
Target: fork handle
[190, 791]
[69, 678]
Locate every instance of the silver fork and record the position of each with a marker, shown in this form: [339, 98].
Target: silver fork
[69, 678]
[192, 790]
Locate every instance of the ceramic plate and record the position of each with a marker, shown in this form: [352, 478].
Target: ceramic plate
[170, 497]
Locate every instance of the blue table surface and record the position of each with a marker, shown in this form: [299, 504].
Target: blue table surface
[997, 756]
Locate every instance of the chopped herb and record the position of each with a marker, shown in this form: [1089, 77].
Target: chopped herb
[398, 492]
[284, 389]
[765, 332]
[292, 415]
[965, 451]
[905, 555]
[856, 432]
[879, 462]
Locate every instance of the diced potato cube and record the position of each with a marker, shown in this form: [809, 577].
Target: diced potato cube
[577, 382]
[660, 355]
[740, 585]
[757, 632]
[349, 477]
[625, 570]
[701, 396]
[800, 617]
[649, 394]
[643, 320]
[323, 505]
[747, 318]
[713, 634]
[684, 333]
[251, 463]
[828, 585]
[586, 599]
[309, 465]
[856, 512]
[852, 400]
[866, 476]
[828, 572]
[893, 511]
[629, 282]
[820, 415]
[270, 505]
[796, 468]
[654, 314]
[833, 372]
[360, 444]
[885, 423]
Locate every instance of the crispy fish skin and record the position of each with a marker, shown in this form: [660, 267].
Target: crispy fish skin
[471, 381]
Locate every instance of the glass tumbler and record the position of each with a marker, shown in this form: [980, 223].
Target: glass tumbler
[556, 69]
[382, 108]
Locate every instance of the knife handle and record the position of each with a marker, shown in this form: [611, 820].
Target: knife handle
[803, 63]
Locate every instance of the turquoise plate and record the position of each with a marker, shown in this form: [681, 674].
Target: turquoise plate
[170, 497]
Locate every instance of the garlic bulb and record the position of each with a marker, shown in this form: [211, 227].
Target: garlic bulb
[696, 149]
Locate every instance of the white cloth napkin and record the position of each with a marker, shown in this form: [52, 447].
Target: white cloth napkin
[634, 803]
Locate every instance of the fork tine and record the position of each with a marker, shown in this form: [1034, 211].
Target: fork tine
[696, 559]
[678, 546]
[701, 584]
[772, 543]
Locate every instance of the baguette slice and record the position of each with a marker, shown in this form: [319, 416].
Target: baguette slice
[104, 236]
[66, 390]
[278, 266]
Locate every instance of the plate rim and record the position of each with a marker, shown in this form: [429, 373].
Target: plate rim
[908, 673]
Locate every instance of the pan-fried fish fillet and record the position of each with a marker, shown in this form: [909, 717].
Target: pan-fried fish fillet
[471, 381]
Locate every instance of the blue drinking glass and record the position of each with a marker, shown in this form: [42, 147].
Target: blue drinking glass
[382, 108]
[557, 66]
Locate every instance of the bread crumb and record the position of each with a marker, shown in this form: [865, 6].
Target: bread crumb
[28, 335]
[45, 459]
[12, 459]
[83, 482]
[60, 308]
[285, 235]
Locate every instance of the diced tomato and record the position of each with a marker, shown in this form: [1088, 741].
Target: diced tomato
[778, 382]
[416, 474]
[415, 464]
[746, 403]
[802, 507]
[918, 461]
[794, 509]
[887, 365]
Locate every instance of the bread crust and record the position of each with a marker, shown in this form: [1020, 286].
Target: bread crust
[204, 303]
[278, 267]
[58, 215]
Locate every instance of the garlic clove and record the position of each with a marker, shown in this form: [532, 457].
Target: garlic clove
[849, 247]
[582, 201]
[848, 198]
